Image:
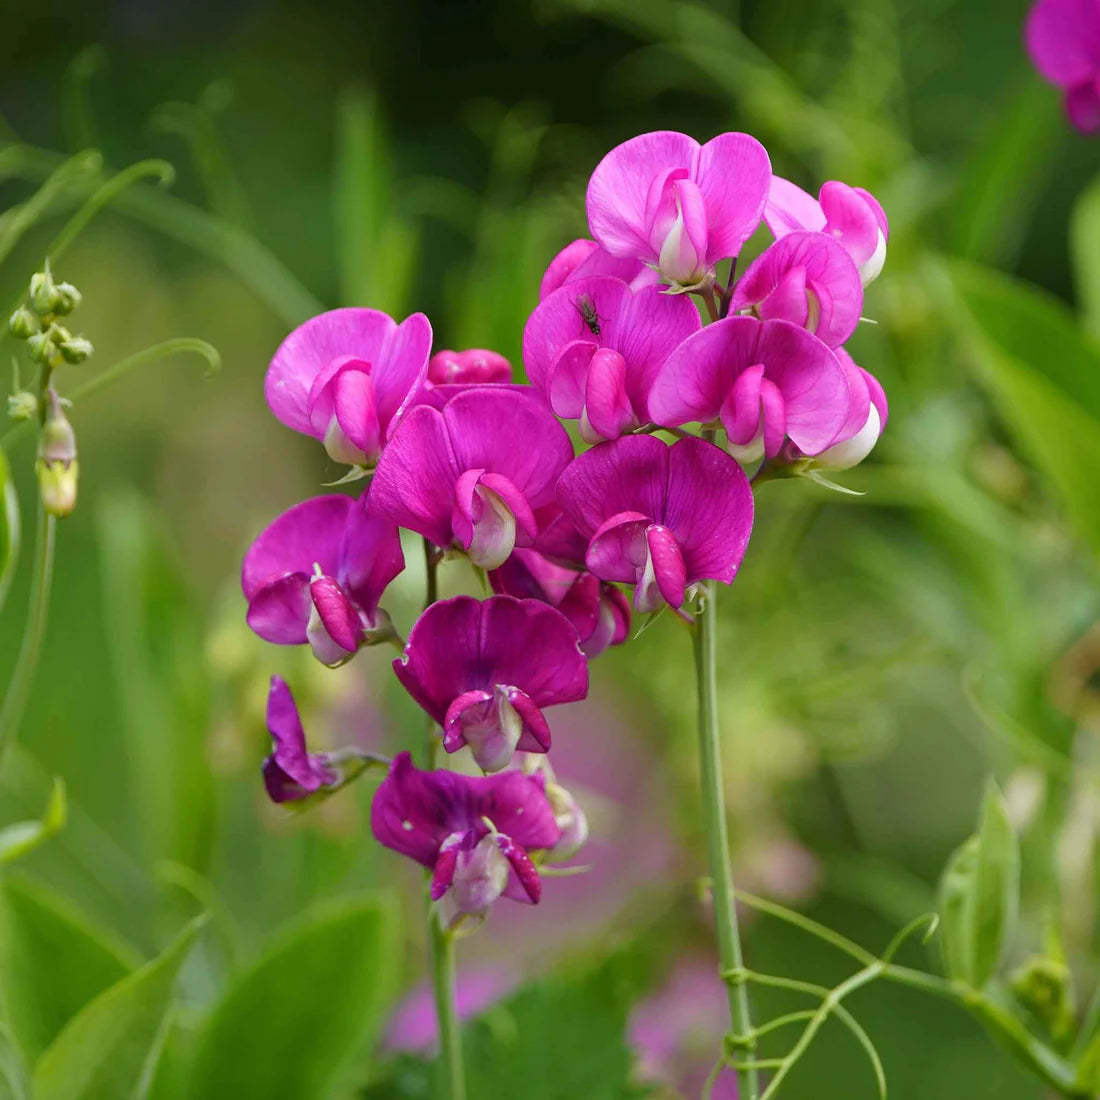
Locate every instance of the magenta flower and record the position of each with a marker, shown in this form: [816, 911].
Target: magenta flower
[660, 518]
[765, 380]
[808, 279]
[678, 206]
[593, 347]
[598, 611]
[473, 473]
[346, 376]
[1063, 39]
[474, 834]
[851, 215]
[292, 773]
[475, 366]
[584, 258]
[866, 422]
[484, 669]
[316, 575]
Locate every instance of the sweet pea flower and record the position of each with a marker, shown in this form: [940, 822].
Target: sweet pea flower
[292, 773]
[856, 440]
[584, 258]
[472, 474]
[661, 518]
[316, 575]
[475, 834]
[484, 669]
[346, 377]
[851, 215]
[1063, 39]
[598, 611]
[805, 278]
[765, 380]
[678, 206]
[593, 347]
[476, 366]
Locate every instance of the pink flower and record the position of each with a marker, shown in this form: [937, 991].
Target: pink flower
[808, 279]
[660, 518]
[849, 214]
[678, 206]
[475, 366]
[473, 473]
[484, 669]
[584, 258]
[593, 347]
[765, 380]
[316, 575]
[474, 834]
[346, 376]
[865, 423]
[598, 612]
[1063, 39]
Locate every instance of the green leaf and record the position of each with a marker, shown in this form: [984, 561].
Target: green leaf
[52, 962]
[14, 1080]
[9, 528]
[295, 1022]
[24, 836]
[109, 1051]
[979, 896]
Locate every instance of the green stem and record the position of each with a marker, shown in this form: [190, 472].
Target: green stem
[714, 817]
[15, 700]
[449, 1067]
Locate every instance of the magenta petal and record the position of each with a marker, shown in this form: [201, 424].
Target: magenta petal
[356, 412]
[566, 380]
[475, 366]
[733, 174]
[291, 772]
[1063, 39]
[1082, 103]
[741, 412]
[525, 870]
[371, 556]
[535, 733]
[850, 220]
[618, 550]
[564, 264]
[443, 872]
[279, 611]
[785, 301]
[471, 707]
[667, 563]
[339, 617]
[580, 604]
[789, 209]
[607, 408]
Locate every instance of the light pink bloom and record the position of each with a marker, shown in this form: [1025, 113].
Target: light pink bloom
[584, 258]
[593, 347]
[808, 279]
[678, 206]
[346, 376]
[851, 215]
[1063, 39]
[765, 380]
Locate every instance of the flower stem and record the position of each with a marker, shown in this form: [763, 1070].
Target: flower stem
[15, 700]
[704, 637]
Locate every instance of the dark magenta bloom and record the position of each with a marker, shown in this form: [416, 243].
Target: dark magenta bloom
[1063, 39]
[598, 611]
[808, 279]
[472, 474]
[661, 518]
[316, 575]
[475, 834]
[766, 381]
[346, 376]
[484, 669]
[475, 366]
[583, 258]
[593, 347]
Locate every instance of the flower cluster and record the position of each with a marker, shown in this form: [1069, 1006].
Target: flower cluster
[573, 545]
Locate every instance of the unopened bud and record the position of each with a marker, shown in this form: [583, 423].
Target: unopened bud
[24, 323]
[67, 299]
[41, 348]
[56, 466]
[22, 405]
[1043, 986]
[75, 350]
[44, 296]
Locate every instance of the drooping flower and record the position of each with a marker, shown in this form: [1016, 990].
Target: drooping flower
[293, 773]
[473, 473]
[856, 440]
[346, 376]
[1063, 39]
[485, 669]
[475, 834]
[678, 206]
[661, 518]
[808, 279]
[850, 215]
[316, 575]
[476, 366]
[598, 611]
[581, 259]
[765, 380]
[593, 347]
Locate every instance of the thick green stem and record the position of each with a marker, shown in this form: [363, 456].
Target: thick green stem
[19, 688]
[714, 814]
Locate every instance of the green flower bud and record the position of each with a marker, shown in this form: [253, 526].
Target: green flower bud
[44, 296]
[22, 405]
[68, 299]
[56, 466]
[76, 349]
[24, 323]
[1043, 986]
[41, 348]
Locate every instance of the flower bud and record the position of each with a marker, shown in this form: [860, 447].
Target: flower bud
[570, 818]
[1043, 986]
[44, 295]
[22, 405]
[67, 299]
[41, 348]
[24, 323]
[57, 466]
[75, 350]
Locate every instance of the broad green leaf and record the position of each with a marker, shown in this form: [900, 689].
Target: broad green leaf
[24, 836]
[9, 528]
[1084, 247]
[979, 896]
[14, 1079]
[1088, 1067]
[53, 961]
[307, 1011]
[109, 1051]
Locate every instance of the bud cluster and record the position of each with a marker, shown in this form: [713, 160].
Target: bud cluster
[49, 342]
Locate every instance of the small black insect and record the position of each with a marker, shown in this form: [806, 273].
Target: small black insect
[587, 309]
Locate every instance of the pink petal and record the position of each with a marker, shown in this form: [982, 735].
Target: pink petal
[564, 264]
[1063, 39]
[279, 611]
[618, 550]
[535, 736]
[733, 173]
[607, 407]
[339, 617]
[850, 220]
[476, 366]
[356, 412]
[789, 209]
[667, 563]
[525, 870]
[1082, 103]
[371, 556]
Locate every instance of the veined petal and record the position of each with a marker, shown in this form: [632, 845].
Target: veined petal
[733, 174]
[280, 610]
[789, 209]
[618, 550]
[607, 408]
[667, 564]
[526, 872]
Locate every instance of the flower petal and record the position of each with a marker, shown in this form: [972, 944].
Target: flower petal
[733, 174]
